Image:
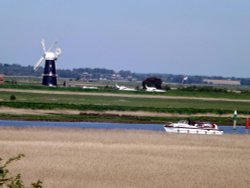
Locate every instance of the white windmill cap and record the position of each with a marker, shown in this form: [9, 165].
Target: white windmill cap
[50, 56]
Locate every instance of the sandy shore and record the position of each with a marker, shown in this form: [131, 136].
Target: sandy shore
[63, 157]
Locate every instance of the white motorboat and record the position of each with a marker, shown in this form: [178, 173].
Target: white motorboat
[188, 127]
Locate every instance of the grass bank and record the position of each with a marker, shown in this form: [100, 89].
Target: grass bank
[116, 118]
[188, 111]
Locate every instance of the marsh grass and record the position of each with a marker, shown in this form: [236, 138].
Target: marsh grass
[98, 107]
[97, 158]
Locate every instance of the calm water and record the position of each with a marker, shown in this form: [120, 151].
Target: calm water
[151, 127]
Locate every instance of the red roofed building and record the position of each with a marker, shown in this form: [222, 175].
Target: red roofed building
[1, 78]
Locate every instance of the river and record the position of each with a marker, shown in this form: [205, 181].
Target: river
[92, 125]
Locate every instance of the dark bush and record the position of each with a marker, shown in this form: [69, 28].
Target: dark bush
[152, 82]
[204, 89]
[12, 97]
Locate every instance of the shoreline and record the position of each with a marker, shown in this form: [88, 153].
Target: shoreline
[111, 116]
[35, 119]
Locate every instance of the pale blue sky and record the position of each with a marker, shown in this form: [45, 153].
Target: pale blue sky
[194, 37]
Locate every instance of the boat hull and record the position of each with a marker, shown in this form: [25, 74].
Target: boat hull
[182, 130]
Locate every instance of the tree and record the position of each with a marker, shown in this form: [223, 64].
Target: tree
[152, 82]
[13, 181]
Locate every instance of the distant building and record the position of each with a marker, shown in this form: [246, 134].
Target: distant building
[1, 78]
[116, 77]
[221, 82]
[85, 76]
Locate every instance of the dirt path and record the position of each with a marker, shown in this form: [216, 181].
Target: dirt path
[20, 111]
[123, 95]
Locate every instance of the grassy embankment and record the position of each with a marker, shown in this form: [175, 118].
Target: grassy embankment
[185, 107]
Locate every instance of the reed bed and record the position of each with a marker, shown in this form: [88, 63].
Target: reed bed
[64, 157]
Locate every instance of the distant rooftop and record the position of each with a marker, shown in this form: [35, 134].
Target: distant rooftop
[222, 82]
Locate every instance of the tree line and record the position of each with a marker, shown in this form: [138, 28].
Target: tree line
[108, 74]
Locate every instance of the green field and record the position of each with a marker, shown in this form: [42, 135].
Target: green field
[245, 94]
[127, 101]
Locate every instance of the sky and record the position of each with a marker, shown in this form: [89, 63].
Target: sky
[190, 37]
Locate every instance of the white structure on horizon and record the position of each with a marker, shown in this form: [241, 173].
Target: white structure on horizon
[153, 89]
[123, 88]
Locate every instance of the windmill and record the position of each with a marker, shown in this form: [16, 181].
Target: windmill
[49, 73]
[184, 79]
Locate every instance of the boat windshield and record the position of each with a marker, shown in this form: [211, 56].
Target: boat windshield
[204, 124]
[183, 121]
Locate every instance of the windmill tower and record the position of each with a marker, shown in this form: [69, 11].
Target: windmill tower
[49, 73]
